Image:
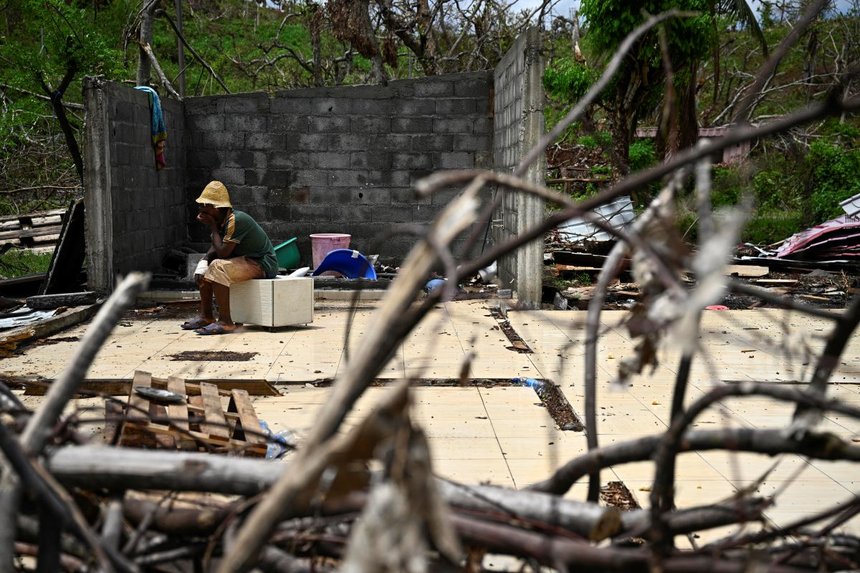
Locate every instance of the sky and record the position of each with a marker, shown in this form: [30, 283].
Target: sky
[562, 7]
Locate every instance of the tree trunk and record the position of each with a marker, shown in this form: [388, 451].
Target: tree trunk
[144, 66]
[56, 96]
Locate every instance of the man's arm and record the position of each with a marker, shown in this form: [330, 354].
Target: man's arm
[219, 249]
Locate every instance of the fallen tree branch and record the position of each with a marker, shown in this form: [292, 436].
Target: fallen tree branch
[823, 446]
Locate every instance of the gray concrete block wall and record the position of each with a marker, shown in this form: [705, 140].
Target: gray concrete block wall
[518, 126]
[135, 213]
[308, 161]
[344, 159]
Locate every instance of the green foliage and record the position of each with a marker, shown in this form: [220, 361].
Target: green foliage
[642, 154]
[769, 227]
[611, 21]
[834, 178]
[568, 80]
[764, 227]
[21, 262]
[727, 186]
[596, 140]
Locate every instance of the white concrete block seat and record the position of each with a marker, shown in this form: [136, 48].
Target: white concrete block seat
[281, 301]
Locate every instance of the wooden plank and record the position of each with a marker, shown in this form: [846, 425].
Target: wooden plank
[215, 444]
[136, 401]
[164, 441]
[178, 412]
[119, 387]
[214, 424]
[31, 232]
[113, 421]
[18, 218]
[179, 415]
[134, 431]
[197, 409]
[240, 403]
[747, 271]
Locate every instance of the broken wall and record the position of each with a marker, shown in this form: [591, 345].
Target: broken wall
[519, 125]
[134, 213]
[312, 160]
[342, 159]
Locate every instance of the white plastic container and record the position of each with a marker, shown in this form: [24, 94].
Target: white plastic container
[617, 214]
[273, 302]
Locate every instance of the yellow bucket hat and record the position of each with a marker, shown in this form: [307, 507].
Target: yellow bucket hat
[215, 194]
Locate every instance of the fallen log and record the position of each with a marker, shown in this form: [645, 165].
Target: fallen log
[118, 469]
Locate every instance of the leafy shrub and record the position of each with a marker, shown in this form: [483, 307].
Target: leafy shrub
[779, 186]
[834, 178]
[567, 80]
[641, 154]
[728, 187]
[597, 140]
[766, 228]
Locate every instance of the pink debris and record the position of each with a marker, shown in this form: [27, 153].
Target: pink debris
[835, 239]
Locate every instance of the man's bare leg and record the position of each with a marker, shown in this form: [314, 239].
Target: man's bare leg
[206, 292]
[207, 315]
[222, 297]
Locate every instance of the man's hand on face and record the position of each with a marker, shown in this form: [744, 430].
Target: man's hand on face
[206, 219]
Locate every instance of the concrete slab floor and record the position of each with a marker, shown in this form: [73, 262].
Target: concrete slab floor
[503, 435]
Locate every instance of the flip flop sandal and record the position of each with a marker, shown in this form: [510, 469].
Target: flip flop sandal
[213, 328]
[195, 324]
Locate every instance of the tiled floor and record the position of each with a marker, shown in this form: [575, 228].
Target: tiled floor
[503, 435]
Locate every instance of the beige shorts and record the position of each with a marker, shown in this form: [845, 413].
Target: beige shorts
[236, 270]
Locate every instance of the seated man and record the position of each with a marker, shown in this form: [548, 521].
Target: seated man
[240, 251]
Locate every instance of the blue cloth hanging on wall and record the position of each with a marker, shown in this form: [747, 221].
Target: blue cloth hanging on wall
[158, 129]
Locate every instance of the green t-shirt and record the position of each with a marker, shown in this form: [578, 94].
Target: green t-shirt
[251, 241]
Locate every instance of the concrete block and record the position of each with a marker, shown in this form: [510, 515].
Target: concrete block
[390, 142]
[296, 105]
[374, 107]
[369, 160]
[432, 142]
[364, 124]
[329, 124]
[412, 125]
[414, 107]
[456, 160]
[244, 103]
[265, 141]
[411, 161]
[310, 142]
[456, 106]
[288, 123]
[434, 87]
[452, 125]
[328, 160]
[336, 106]
[245, 122]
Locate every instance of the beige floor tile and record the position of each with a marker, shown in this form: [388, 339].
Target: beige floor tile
[527, 471]
[469, 448]
[502, 434]
[845, 473]
[804, 494]
[556, 447]
[744, 468]
[492, 471]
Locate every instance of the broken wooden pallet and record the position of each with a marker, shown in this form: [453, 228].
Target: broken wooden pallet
[197, 423]
[31, 230]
